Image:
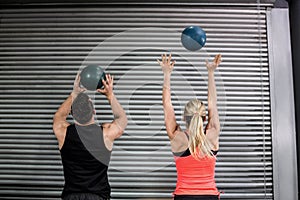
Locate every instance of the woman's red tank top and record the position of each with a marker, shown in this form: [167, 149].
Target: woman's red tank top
[195, 177]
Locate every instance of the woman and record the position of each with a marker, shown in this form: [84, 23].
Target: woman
[194, 149]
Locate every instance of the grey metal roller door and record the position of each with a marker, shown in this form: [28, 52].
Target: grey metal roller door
[43, 47]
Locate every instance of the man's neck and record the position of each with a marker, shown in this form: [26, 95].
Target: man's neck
[92, 121]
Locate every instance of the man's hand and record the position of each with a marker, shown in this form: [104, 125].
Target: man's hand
[76, 88]
[108, 86]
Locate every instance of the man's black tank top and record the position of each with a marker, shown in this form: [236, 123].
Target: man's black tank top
[85, 161]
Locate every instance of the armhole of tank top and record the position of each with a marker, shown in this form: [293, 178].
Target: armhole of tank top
[187, 135]
[214, 152]
[68, 127]
[102, 130]
[184, 153]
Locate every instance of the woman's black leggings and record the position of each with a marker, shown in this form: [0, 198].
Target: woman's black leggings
[196, 197]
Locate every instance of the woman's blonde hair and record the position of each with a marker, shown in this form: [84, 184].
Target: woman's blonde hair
[194, 115]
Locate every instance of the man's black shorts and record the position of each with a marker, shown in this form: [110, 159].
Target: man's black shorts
[83, 196]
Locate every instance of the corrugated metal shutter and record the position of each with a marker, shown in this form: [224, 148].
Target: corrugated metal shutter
[42, 48]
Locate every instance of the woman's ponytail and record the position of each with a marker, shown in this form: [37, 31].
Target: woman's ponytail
[199, 146]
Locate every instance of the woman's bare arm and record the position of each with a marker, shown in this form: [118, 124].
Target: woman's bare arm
[169, 114]
[213, 126]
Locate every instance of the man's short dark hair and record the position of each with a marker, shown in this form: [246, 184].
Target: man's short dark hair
[82, 108]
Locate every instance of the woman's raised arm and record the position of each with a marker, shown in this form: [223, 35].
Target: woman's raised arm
[167, 65]
[213, 125]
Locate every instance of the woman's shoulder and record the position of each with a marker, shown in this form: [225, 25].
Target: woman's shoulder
[179, 142]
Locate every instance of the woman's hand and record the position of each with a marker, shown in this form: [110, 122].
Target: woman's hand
[108, 86]
[166, 64]
[212, 66]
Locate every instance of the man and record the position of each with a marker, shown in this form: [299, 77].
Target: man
[85, 146]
